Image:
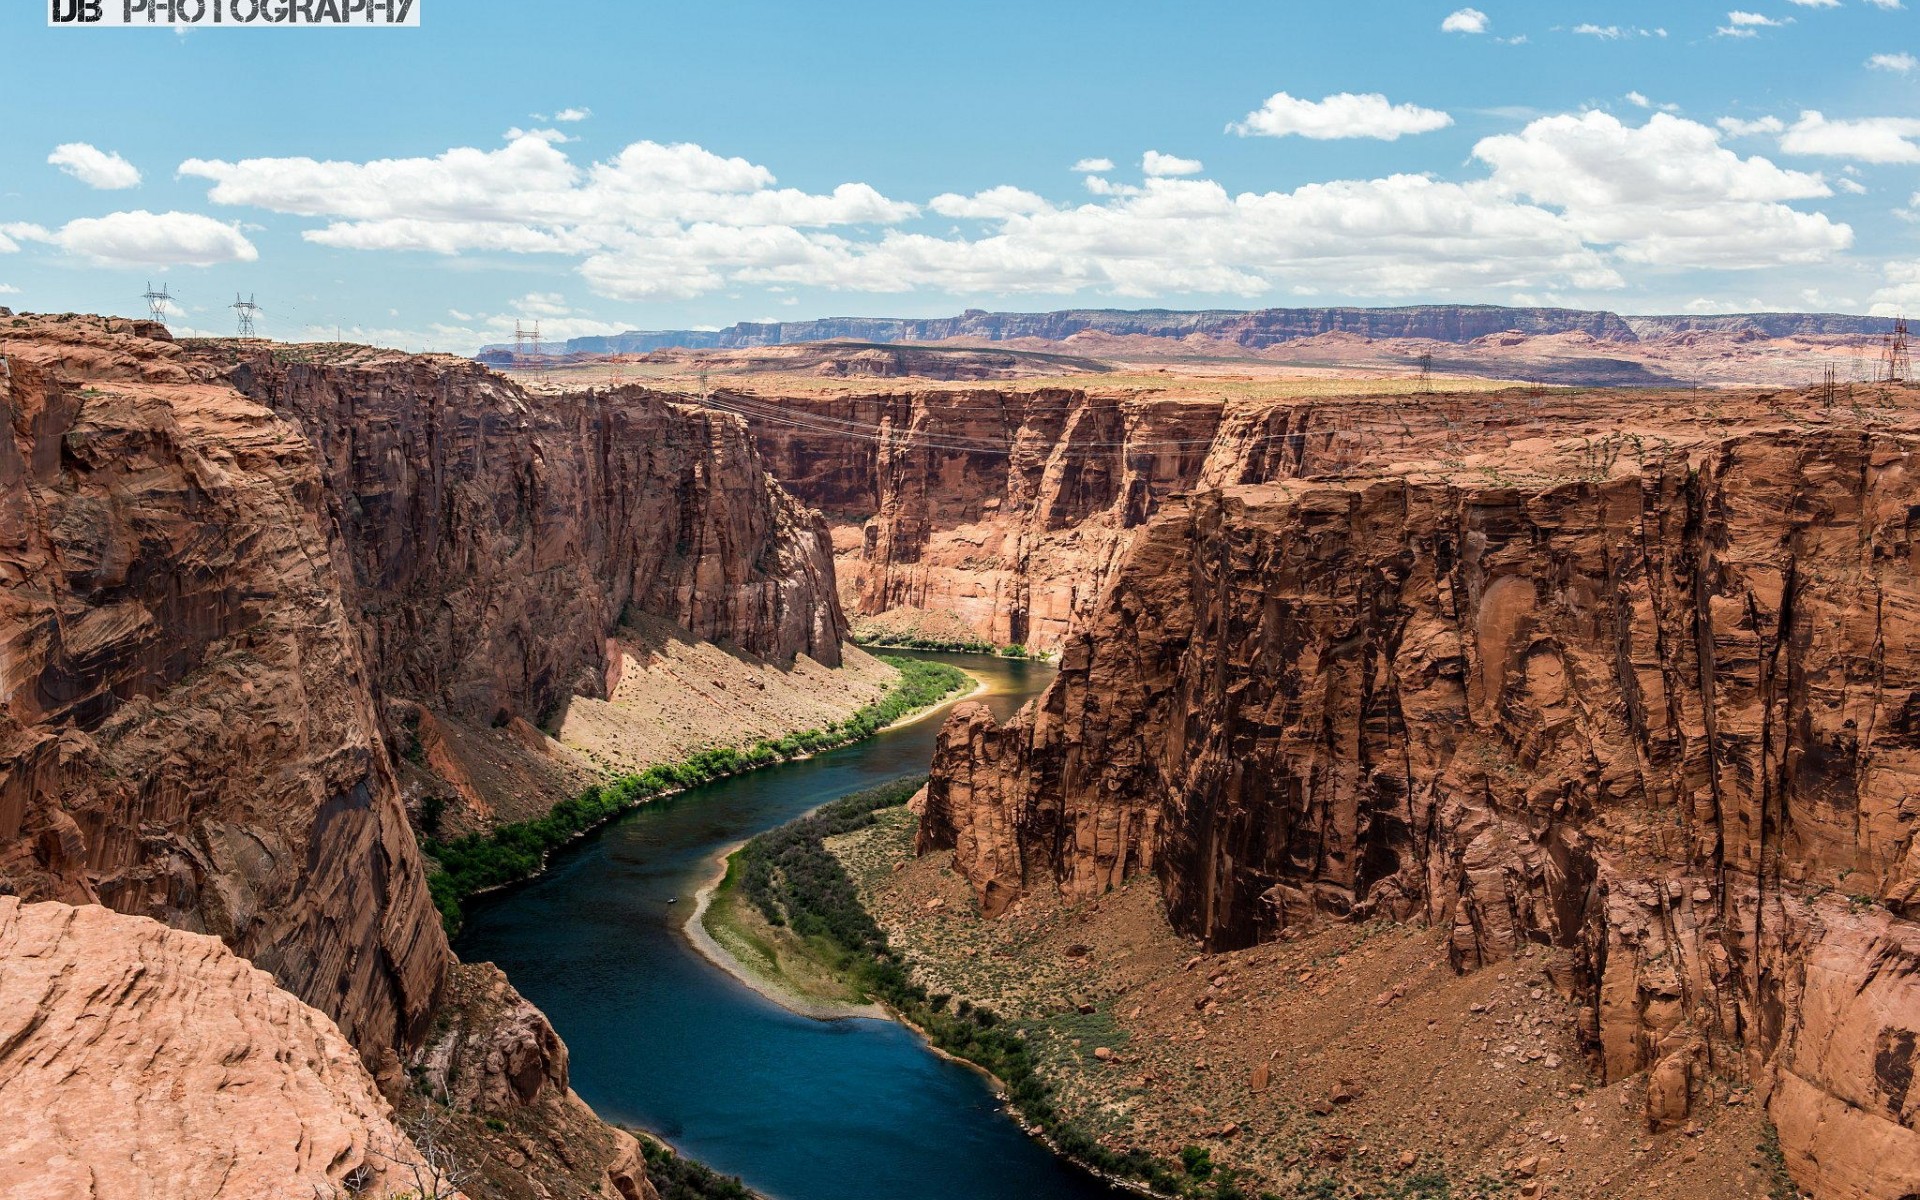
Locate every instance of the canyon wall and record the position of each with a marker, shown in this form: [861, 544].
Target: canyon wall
[187, 727]
[1003, 508]
[1653, 704]
[236, 582]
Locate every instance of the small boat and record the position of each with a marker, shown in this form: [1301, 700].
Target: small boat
[673, 899]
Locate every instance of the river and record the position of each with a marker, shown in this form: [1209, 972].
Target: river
[661, 1039]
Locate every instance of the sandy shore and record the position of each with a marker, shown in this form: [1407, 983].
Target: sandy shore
[703, 943]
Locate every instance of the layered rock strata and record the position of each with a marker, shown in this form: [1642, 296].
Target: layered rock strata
[235, 581]
[1650, 704]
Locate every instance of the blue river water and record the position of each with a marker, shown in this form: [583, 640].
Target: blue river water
[663, 1040]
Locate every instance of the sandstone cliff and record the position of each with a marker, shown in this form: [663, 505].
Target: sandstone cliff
[1646, 699]
[234, 582]
[138, 1061]
[186, 726]
[1005, 508]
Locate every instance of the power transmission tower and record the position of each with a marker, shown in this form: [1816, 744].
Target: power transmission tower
[1830, 388]
[247, 310]
[157, 302]
[1425, 387]
[1896, 366]
[526, 344]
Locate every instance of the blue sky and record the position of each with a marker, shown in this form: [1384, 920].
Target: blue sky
[741, 161]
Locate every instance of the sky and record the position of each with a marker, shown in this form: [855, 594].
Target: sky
[600, 167]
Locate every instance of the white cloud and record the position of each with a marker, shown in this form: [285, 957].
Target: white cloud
[1158, 165]
[1868, 139]
[1816, 3]
[1748, 24]
[1851, 187]
[144, 239]
[1465, 20]
[96, 168]
[1665, 194]
[1887, 5]
[1342, 116]
[1901, 296]
[573, 114]
[1093, 164]
[1638, 100]
[1903, 63]
[1564, 204]
[1735, 127]
[991, 205]
[7, 289]
[8, 245]
[1614, 33]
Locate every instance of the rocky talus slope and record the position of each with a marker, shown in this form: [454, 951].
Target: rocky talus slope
[1636, 683]
[234, 583]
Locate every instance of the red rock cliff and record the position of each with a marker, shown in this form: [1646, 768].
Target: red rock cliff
[1005, 508]
[1657, 707]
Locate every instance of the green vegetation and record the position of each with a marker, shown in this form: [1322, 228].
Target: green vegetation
[481, 861]
[796, 882]
[677, 1178]
[908, 641]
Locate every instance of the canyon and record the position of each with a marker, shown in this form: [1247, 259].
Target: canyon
[239, 582]
[1624, 680]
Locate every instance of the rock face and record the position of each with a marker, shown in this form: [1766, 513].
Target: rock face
[1006, 508]
[1651, 703]
[138, 1061]
[495, 539]
[232, 581]
[186, 726]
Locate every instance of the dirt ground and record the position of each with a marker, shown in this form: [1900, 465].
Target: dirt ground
[1350, 1062]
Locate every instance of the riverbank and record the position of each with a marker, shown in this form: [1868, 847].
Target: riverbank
[721, 931]
[479, 863]
[806, 939]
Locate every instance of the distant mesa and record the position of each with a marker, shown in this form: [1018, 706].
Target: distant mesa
[1254, 329]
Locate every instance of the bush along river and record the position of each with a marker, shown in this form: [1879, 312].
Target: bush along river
[661, 1039]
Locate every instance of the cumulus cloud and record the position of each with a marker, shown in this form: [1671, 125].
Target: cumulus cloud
[1095, 165]
[1465, 20]
[1562, 206]
[1345, 115]
[573, 114]
[1887, 5]
[1901, 295]
[1868, 139]
[1667, 193]
[1902, 63]
[1158, 165]
[8, 245]
[1748, 24]
[94, 167]
[1735, 127]
[993, 204]
[144, 239]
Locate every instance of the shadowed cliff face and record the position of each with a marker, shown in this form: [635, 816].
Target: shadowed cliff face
[1657, 710]
[206, 592]
[495, 539]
